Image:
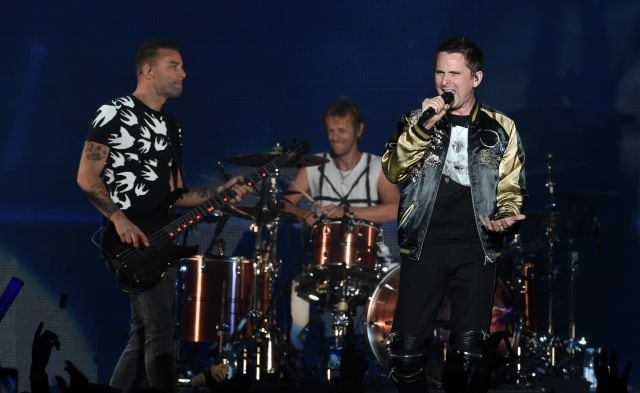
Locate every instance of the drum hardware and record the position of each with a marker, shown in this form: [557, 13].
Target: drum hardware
[228, 300]
[342, 323]
[256, 214]
[342, 272]
[217, 244]
[543, 352]
[263, 351]
[552, 217]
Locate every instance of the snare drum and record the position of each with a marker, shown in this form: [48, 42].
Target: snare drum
[215, 295]
[345, 243]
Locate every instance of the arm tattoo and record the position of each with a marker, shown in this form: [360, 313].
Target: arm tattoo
[99, 196]
[94, 151]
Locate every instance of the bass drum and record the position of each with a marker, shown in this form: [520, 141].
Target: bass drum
[215, 294]
[382, 305]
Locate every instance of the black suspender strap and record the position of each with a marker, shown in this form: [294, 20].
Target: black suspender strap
[344, 199]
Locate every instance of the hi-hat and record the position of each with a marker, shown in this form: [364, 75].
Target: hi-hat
[261, 159]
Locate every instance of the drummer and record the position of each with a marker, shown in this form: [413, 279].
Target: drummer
[350, 184]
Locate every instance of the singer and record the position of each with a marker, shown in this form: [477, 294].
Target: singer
[461, 167]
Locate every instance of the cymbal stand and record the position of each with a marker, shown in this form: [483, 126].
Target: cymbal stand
[559, 352]
[264, 336]
[217, 243]
[575, 348]
[573, 272]
[551, 237]
[523, 373]
[552, 203]
[521, 285]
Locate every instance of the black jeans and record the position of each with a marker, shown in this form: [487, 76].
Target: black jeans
[456, 271]
[149, 357]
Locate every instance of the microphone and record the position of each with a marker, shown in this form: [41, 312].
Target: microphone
[447, 96]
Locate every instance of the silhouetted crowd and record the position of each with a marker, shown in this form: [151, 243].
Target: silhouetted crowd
[213, 378]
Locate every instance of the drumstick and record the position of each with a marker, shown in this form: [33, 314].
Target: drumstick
[303, 192]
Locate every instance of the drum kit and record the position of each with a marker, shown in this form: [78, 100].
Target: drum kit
[229, 302]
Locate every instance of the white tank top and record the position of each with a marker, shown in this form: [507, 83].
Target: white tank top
[357, 187]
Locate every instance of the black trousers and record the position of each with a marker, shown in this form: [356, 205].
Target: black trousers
[457, 271]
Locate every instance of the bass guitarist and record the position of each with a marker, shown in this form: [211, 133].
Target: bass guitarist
[130, 167]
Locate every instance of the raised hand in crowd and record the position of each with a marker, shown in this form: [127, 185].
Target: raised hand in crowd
[43, 343]
[210, 376]
[606, 370]
[79, 383]
[41, 348]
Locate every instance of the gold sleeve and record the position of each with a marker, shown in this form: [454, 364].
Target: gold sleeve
[405, 149]
[511, 185]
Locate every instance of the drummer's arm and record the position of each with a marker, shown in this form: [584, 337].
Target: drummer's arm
[387, 210]
[294, 195]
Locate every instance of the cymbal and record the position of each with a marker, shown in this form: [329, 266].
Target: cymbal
[261, 159]
[253, 213]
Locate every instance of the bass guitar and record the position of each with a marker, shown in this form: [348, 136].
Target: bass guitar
[139, 269]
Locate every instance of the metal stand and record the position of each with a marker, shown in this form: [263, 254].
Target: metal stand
[543, 353]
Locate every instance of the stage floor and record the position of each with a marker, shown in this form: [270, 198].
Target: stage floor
[376, 387]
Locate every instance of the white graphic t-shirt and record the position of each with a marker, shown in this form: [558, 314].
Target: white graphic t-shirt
[143, 147]
[456, 165]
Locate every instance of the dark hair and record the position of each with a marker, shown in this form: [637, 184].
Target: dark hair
[149, 49]
[472, 54]
[342, 107]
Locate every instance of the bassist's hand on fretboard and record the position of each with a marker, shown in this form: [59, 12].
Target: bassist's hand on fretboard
[239, 188]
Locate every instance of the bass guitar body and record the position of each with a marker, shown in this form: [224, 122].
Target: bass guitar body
[139, 269]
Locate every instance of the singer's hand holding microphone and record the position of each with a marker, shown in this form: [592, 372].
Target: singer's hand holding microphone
[434, 108]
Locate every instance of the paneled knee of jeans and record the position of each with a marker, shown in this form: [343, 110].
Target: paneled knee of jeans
[469, 342]
[407, 359]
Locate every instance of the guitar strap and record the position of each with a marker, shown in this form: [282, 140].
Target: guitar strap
[176, 150]
[105, 226]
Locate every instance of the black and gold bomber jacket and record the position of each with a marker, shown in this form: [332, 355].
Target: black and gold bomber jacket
[415, 157]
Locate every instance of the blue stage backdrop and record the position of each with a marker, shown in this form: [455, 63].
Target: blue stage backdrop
[262, 72]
